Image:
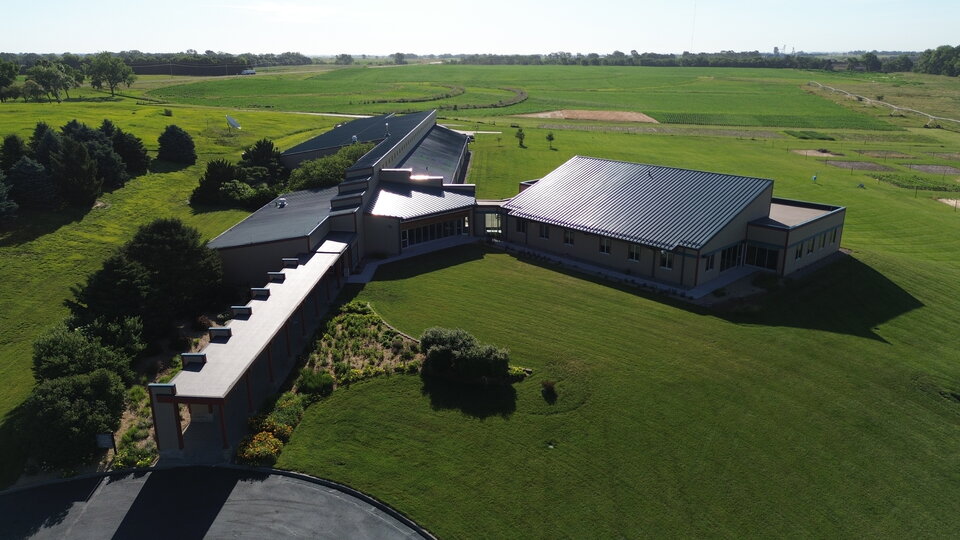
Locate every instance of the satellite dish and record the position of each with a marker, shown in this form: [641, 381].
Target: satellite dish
[232, 122]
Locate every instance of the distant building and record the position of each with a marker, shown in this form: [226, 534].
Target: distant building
[676, 228]
[248, 72]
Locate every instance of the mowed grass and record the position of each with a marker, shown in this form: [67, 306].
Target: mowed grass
[734, 97]
[44, 253]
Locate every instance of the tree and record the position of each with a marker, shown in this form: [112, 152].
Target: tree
[12, 149]
[176, 146]
[62, 352]
[8, 208]
[120, 288]
[31, 90]
[457, 354]
[110, 166]
[343, 60]
[218, 173]
[185, 275]
[132, 151]
[109, 70]
[30, 185]
[8, 73]
[62, 416]
[52, 78]
[871, 62]
[50, 144]
[264, 154]
[399, 58]
[327, 171]
[550, 139]
[520, 135]
[75, 172]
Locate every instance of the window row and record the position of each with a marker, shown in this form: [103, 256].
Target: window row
[434, 231]
[815, 244]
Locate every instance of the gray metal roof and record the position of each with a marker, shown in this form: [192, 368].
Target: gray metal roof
[661, 207]
[438, 154]
[409, 202]
[303, 212]
[366, 130]
[400, 127]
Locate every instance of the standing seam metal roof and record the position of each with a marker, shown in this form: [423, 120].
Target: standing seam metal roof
[662, 207]
[438, 154]
[365, 129]
[303, 212]
[408, 202]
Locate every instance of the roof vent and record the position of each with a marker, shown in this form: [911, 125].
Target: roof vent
[276, 277]
[291, 262]
[260, 293]
[281, 202]
[220, 332]
[241, 311]
[190, 358]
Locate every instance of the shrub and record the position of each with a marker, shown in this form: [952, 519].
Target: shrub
[549, 390]
[168, 112]
[271, 425]
[177, 146]
[456, 353]
[135, 456]
[202, 323]
[63, 352]
[261, 449]
[288, 409]
[315, 383]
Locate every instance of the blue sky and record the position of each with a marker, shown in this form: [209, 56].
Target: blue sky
[494, 26]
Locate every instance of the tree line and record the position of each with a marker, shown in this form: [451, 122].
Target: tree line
[52, 78]
[944, 60]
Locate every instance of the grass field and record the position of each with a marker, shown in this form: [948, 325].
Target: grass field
[735, 97]
[826, 409]
[47, 252]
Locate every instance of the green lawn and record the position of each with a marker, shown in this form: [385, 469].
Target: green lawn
[820, 413]
[45, 253]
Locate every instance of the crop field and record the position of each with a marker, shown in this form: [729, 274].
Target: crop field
[737, 97]
[825, 408]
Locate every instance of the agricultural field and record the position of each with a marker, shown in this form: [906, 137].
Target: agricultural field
[827, 407]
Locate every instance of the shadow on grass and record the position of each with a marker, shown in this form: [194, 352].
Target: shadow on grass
[430, 262]
[161, 166]
[479, 401]
[32, 224]
[12, 457]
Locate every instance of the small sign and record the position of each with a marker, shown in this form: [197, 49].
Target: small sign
[105, 440]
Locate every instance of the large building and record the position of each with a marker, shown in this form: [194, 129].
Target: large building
[675, 228]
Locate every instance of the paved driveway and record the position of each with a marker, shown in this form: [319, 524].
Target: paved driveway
[193, 502]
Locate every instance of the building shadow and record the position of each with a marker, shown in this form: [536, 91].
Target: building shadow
[479, 401]
[32, 224]
[845, 297]
[26, 513]
[430, 262]
[191, 498]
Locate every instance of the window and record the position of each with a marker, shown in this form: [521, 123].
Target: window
[823, 240]
[799, 252]
[568, 237]
[633, 252]
[810, 245]
[833, 237]
[521, 225]
[711, 260]
[730, 257]
[762, 257]
[666, 260]
[604, 245]
[403, 239]
[544, 231]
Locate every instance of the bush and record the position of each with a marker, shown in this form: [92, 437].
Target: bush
[168, 112]
[62, 352]
[288, 409]
[135, 456]
[456, 354]
[549, 390]
[177, 146]
[261, 449]
[315, 383]
[63, 415]
[270, 425]
[327, 171]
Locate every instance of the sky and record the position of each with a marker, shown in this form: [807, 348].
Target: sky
[382, 27]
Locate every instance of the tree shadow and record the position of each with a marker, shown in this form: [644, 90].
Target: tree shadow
[32, 224]
[160, 166]
[479, 401]
[12, 456]
[27, 512]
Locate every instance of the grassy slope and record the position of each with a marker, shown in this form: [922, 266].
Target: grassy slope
[48, 252]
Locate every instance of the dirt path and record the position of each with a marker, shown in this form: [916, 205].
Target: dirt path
[606, 116]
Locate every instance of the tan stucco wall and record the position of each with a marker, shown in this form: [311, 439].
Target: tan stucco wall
[814, 230]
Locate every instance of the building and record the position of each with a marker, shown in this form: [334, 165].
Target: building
[676, 228]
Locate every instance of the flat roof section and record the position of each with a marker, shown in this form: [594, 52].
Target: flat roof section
[409, 202]
[364, 129]
[302, 213]
[229, 360]
[791, 216]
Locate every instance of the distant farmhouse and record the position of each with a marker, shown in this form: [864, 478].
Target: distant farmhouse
[676, 228]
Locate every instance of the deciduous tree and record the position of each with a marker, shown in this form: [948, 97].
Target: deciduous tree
[106, 69]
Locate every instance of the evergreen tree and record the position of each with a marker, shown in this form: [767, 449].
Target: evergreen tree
[11, 151]
[110, 167]
[37, 136]
[30, 185]
[50, 143]
[131, 150]
[8, 208]
[176, 146]
[76, 173]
